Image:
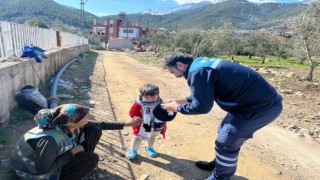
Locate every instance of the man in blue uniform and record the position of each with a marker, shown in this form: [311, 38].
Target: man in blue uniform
[251, 103]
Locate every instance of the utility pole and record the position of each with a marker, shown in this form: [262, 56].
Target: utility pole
[127, 28]
[82, 3]
[123, 17]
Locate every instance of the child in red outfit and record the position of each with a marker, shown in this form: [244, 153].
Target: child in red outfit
[151, 127]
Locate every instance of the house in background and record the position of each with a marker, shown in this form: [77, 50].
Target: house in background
[114, 28]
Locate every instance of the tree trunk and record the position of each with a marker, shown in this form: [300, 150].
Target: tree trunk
[263, 59]
[250, 56]
[195, 49]
[156, 48]
[312, 62]
[310, 72]
[302, 60]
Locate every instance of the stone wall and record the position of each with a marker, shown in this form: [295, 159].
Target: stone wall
[15, 75]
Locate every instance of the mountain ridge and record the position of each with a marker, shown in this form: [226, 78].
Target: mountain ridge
[187, 6]
[169, 10]
[240, 13]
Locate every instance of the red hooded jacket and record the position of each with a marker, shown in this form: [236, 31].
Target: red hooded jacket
[136, 110]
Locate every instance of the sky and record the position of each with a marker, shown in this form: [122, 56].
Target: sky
[113, 7]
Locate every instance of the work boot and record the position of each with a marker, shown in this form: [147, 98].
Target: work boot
[206, 165]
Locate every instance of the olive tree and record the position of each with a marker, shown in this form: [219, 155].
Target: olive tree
[205, 46]
[307, 33]
[94, 39]
[226, 41]
[263, 46]
[280, 47]
[158, 40]
[297, 51]
[38, 23]
[183, 40]
[197, 43]
[249, 45]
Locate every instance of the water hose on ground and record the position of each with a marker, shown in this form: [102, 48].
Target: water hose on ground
[53, 101]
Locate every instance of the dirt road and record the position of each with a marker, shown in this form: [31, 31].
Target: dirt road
[273, 153]
[109, 85]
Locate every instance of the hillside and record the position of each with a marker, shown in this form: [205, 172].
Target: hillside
[241, 13]
[180, 8]
[48, 11]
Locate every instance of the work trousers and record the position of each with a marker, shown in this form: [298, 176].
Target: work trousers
[83, 162]
[233, 131]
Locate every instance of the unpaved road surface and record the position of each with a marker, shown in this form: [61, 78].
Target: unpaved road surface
[273, 153]
[109, 85]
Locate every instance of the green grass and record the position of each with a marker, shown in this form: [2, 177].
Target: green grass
[18, 114]
[83, 63]
[42, 87]
[77, 96]
[74, 92]
[4, 137]
[61, 90]
[91, 55]
[271, 62]
[255, 61]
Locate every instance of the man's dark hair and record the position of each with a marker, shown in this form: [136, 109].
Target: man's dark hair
[149, 90]
[178, 57]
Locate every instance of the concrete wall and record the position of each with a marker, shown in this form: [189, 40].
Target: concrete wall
[15, 75]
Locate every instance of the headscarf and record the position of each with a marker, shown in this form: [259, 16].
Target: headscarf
[60, 115]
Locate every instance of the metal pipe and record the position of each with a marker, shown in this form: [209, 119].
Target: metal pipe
[53, 102]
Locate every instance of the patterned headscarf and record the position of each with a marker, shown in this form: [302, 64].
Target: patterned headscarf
[60, 115]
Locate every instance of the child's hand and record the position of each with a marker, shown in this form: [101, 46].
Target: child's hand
[136, 120]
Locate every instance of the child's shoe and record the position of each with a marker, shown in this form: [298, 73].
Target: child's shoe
[131, 154]
[151, 152]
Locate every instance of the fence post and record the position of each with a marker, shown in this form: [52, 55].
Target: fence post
[58, 39]
[1, 43]
[6, 39]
